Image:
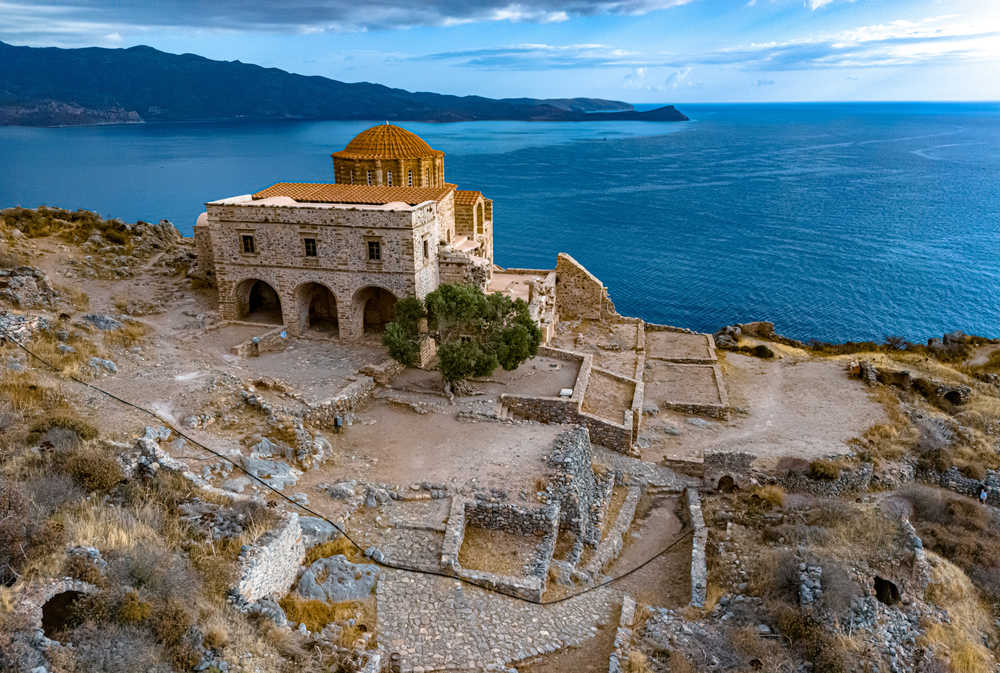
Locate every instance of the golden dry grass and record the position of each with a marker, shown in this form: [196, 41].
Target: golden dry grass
[638, 662]
[317, 614]
[79, 299]
[334, 547]
[951, 590]
[129, 335]
[772, 495]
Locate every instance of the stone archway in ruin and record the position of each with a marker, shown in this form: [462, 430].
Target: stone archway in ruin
[374, 307]
[317, 309]
[258, 302]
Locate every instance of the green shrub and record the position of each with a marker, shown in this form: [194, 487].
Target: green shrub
[133, 610]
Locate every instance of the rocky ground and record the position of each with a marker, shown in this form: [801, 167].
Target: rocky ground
[839, 496]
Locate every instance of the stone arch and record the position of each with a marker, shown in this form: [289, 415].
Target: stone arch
[317, 309]
[374, 306]
[258, 301]
[726, 484]
[57, 612]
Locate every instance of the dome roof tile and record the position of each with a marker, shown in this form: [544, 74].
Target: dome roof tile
[387, 141]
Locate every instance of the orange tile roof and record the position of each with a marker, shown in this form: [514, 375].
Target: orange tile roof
[314, 192]
[387, 141]
[465, 197]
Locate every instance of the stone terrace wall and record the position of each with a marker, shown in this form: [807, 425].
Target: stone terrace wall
[579, 294]
[568, 411]
[270, 566]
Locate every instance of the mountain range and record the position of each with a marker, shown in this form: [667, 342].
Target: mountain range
[48, 86]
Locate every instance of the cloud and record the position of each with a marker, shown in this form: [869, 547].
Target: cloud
[677, 78]
[945, 39]
[81, 19]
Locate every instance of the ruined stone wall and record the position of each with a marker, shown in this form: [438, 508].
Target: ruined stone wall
[699, 541]
[519, 519]
[581, 498]
[579, 294]
[269, 567]
[456, 267]
[203, 244]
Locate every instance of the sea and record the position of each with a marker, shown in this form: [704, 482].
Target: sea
[835, 221]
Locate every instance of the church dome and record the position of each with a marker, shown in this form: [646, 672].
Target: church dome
[387, 141]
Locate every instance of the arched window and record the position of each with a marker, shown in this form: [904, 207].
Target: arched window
[388, 178]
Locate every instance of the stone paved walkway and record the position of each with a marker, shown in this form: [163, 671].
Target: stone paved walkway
[438, 623]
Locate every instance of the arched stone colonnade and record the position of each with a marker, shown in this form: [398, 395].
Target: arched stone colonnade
[309, 308]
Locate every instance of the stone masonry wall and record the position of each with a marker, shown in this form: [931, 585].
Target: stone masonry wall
[269, 567]
[522, 520]
[579, 294]
[341, 264]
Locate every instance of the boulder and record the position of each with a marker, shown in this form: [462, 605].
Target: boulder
[103, 322]
[336, 579]
[275, 473]
[316, 531]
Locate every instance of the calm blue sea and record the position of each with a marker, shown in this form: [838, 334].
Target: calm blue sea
[835, 221]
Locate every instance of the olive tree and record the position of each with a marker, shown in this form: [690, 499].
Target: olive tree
[475, 332]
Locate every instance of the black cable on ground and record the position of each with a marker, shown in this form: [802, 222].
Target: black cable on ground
[385, 563]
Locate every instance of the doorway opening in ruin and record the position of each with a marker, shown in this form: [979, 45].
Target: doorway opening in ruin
[886, 591]
[259, 302]
[377, 306]
[58, 613]
[318, 309]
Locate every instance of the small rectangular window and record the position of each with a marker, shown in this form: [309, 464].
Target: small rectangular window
[310, 247]
[427, 252]
[409, 178]
[374, 251]
[388, 178]
[249, 248]
[370, 176]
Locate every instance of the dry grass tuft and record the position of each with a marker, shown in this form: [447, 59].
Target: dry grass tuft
[824, 469]
[317, 614]
[638, 662]
[126, 337]
[771, 496]
[334, 547]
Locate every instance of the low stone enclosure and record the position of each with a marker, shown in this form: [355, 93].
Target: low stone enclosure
[669, 368]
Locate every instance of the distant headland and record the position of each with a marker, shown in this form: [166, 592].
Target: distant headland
[56, 87]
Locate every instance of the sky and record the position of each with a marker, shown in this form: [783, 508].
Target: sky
[641, 51]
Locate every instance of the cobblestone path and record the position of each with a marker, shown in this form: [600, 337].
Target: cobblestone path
[439, 623]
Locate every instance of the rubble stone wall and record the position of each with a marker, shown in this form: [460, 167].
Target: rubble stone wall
[574, 486]
[269, 567]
